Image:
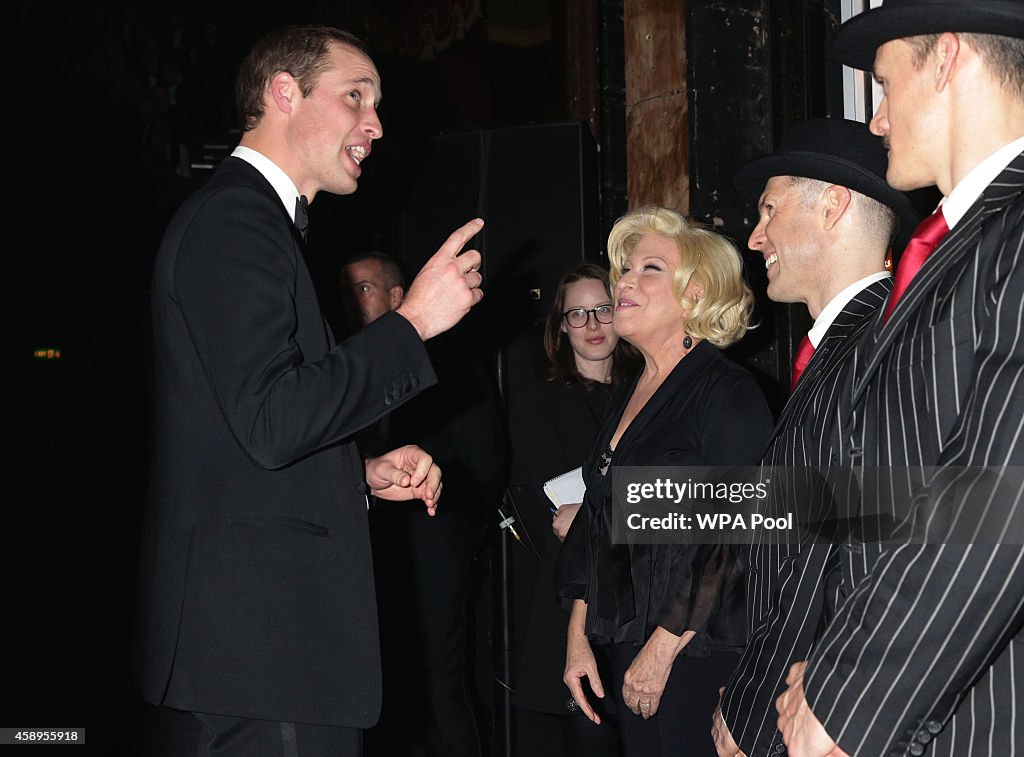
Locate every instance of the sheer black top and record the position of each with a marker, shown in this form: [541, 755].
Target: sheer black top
[709, 411]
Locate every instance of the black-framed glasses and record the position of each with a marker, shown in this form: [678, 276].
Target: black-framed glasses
[579, 317]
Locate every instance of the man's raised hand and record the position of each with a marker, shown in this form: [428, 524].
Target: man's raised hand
[446, 287]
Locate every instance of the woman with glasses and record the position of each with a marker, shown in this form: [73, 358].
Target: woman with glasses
[554, 423]
[667, 618]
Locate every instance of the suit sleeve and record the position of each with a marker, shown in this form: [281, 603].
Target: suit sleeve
[912, 639]
[235, 280]
[788, 630]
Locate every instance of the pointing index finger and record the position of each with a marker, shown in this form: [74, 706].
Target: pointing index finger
[454, 244]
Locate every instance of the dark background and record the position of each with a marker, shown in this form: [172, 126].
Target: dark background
[112, 109]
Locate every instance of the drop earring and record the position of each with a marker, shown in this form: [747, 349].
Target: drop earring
[687, 342]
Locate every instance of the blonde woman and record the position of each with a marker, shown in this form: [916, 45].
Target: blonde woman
[668, 618]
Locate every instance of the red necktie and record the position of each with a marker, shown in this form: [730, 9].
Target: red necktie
[803, 357]
[926, 237]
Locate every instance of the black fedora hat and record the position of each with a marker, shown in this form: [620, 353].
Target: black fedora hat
[859, 38]
[835, 150]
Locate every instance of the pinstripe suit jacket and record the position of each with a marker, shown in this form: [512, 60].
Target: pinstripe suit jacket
[926, 651]
[786, 583]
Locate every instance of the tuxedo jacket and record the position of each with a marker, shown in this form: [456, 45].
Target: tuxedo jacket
[787, 583]
[257, 593]
[926, 652]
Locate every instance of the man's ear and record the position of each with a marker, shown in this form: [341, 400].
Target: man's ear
[283, 91]
[947, 51]
[396, 294]
[837, 200]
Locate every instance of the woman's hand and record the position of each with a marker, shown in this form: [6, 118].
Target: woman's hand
[645, 681]
[580, 662]
[563, 519]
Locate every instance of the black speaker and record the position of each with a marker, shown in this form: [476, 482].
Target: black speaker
[536, 189]
[534, 186]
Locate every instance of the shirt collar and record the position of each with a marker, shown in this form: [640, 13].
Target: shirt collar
[836, 304]
[278, 179]
[956, 204]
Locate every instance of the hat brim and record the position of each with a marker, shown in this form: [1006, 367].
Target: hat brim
[750, 180]
[859, 38]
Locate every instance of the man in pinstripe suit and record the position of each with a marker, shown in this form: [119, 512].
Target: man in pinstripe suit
[827, 218]
[925, 653]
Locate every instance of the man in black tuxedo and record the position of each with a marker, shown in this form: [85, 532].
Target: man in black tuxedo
[826, 220]
[423, 565]
[259, 616]
[924, 653]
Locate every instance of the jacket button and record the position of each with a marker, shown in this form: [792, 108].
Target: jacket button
[924, 737]
[916, 749]
[934, 727]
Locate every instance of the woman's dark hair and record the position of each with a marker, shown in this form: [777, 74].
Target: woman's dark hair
[625, 358]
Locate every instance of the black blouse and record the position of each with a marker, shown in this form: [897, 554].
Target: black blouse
[709, 411]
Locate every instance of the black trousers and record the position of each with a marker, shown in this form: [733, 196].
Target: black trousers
[174, 733]
[682, 727]
[422, 566]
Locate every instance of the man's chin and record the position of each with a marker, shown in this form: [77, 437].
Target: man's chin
[906, 183]
[346, 185]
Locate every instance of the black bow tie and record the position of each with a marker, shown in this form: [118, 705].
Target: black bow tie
[302, 216]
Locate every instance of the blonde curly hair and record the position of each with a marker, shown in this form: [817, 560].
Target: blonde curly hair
[722, 315]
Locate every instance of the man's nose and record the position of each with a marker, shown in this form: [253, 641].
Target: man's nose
[880, 121]
[372, 125]
[757, 237]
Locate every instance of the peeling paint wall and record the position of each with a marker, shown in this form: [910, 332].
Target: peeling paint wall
[657, 128]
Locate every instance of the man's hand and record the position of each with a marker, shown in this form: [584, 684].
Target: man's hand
[405, 473]
[725, 745]
[446, 287]
[562, 519]
[645, 680]
[804, 735]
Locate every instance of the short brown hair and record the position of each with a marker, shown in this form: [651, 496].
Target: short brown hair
[390, 268]
[301, 51]
[1003, 56]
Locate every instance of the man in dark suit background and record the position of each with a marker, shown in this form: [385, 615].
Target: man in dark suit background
[827, 218]
[423, 565]
[924, 654]
[372, 284]
[259, 617]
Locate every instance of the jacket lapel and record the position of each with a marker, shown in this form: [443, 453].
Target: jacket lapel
[849, 321]
[959, 244]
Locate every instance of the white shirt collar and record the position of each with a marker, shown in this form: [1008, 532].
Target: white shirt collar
[836, 304]
[278, 179]
[956, 204]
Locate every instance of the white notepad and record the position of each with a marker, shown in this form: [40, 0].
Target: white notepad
[566, 489]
